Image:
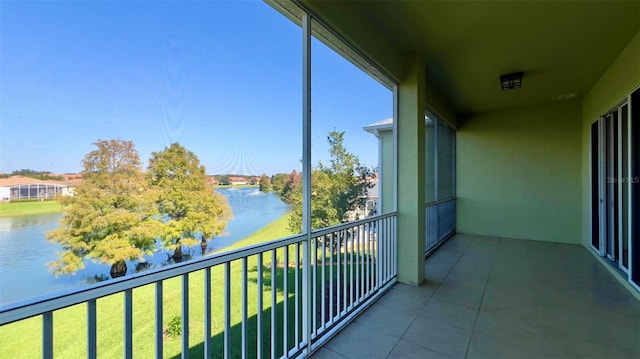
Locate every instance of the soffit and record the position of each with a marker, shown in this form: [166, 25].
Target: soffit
[562, 47]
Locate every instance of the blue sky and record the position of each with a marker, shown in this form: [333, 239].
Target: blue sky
[221, 78]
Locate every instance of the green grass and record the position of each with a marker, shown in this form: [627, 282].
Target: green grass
[274, 230]
[11, 209]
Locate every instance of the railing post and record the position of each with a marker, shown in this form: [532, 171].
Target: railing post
[207, 312]
[47, 335]
[91, 329]
[185, 315]
[159, 319]
[128, 323]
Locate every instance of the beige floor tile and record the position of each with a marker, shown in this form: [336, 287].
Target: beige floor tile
[358, 341]
[488, 347]
[392, 321]
[408, 350]
[325, 353]
[525, 332]
[457, 315]
[438, 336]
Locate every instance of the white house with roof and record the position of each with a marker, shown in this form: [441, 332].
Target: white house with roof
[21, 187]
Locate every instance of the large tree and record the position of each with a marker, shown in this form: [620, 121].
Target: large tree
[190, 210]
[265, 183]
[278, 181]
[336, 190]
[110, 217]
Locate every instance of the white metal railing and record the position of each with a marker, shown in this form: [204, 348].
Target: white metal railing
[440, 222]
[350, 266]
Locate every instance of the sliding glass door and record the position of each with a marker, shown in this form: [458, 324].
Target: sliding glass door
[615, 179]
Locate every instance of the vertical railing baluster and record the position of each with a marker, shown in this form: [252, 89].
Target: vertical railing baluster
[357, 264]
[389, 235]
[372, 257]
[285, 302]
[367, 254]
[314, 288]
[297, 296]
[128, 323]
[245, 338]
[159, 335]
[390, 246]
[47, 335]
[227, 310]
[331, 277]
[378, 254]
[207, 312]
[260, 306]
[351, 265]
[394, 256]
[345, 260]
[382, 240]
[323, 282]
[185, 315]
[339, 273]
[367, 271]
[273, 303]
[91, 329]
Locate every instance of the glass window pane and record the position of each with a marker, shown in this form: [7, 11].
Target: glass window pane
[345, 155]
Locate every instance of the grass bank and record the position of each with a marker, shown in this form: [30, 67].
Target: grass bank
[23, 339]
[11, 209]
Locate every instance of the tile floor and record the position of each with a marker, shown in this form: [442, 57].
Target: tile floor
[486, 297]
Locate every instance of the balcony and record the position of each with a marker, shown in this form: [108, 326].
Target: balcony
[530, 164]
[487, 297]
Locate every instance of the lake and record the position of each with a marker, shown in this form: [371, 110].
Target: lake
[25, 251]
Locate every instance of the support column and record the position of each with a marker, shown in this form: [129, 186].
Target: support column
[411, 177]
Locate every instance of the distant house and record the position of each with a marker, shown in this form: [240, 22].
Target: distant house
[20, 187]
[213, 180]
[71, 179]
[235, 180]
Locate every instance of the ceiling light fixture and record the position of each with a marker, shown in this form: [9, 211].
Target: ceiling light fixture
[511, 81]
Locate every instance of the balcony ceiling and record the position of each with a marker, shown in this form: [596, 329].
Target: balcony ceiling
[562, 47]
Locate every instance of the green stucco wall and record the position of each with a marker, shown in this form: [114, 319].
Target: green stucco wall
[411, 220]
[386, 170]
[518, 173]
[622, 76]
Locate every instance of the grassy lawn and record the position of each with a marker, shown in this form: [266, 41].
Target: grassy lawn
[26, 208]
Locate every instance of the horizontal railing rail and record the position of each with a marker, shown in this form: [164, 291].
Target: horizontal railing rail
[440, 222]
[257, 292]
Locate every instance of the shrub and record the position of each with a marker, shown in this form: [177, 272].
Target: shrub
[174, 328]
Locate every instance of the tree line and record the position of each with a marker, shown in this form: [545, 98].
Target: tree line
[119, 210]
[41, 175]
